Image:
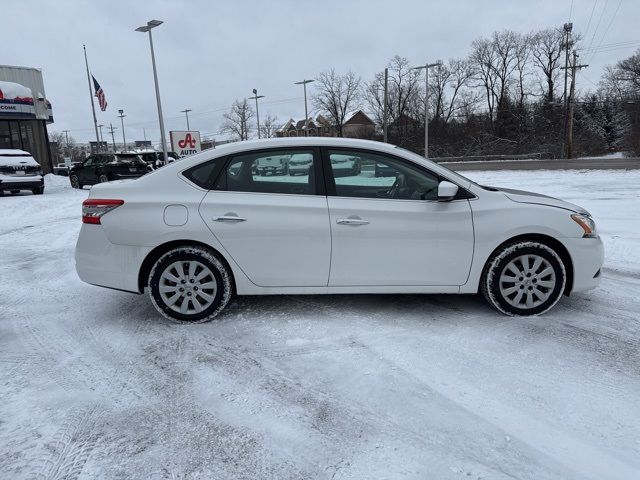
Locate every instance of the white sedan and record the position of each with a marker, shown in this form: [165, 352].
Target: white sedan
[198, 231]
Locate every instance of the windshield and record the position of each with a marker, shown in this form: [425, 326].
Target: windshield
[456, 175]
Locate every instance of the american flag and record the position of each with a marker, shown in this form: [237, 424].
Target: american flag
[102, 100]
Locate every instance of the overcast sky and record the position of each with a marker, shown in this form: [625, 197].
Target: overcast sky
[212, 52]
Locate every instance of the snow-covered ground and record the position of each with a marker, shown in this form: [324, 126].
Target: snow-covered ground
[95, 384]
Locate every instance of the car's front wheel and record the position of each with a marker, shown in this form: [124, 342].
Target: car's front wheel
[75, 181]
[524, 278]
[190, 284]
[103, 178]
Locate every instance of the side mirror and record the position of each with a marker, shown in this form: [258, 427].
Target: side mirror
[446, 191]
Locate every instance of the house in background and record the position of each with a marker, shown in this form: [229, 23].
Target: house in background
[357, 124]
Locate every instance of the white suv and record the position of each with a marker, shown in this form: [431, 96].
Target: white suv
[198, 231]
[19, 171]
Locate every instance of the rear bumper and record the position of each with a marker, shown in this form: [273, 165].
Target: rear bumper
[105, 264]
[587, 255]
[21, 183]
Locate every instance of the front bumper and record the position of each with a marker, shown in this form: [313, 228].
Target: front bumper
[587, 256]
[20, 183]
[105, 264]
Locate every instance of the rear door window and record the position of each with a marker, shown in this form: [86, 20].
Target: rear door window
[290, 172]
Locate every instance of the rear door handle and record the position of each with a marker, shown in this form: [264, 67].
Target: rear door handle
[351, 221]
[229, 218]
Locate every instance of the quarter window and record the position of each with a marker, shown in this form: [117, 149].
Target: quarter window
[289, 171]
[370, 175]
[204, 175]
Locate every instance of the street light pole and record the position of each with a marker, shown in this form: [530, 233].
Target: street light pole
[256, 97]
[147, 28]
[124, 139]
[186, 112]
[426, 68]
[306, 112]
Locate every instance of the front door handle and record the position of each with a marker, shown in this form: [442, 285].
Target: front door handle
[351, 221]
[229, 218]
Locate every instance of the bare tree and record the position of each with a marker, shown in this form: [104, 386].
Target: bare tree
[236, 121]
[446, 85]
[336, 95]
[546, 52]
[505, 44]
[269, 126]
[623, 80]
[403, 92]
[522, 54]
[484, 58]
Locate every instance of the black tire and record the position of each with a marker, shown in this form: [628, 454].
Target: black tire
[221, 276]
[15, 192]
[75, 181]
[494, 288]
[38, 191]
[103, 178]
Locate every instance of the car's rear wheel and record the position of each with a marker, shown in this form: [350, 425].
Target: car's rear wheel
[38, 191]
[524, 278]
[190, 284]
[75, 181]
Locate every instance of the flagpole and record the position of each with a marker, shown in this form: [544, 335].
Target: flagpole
[93, 107]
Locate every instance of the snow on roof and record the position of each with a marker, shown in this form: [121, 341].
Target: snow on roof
[11, 90]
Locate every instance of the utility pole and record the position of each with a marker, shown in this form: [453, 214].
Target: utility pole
[113, 139]
[426, 68]
[572, 102]
[186, 112]
[66, 134]
[567, 27]
[256, 97]
[101, 139]
[124, 139]
[385, 114]
[306, 113]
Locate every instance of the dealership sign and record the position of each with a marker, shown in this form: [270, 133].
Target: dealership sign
[185, 143]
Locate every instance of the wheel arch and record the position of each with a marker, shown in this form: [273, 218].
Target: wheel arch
[547, 240]
[157, 252]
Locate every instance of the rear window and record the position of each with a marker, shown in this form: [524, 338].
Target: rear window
[204, 175]
[135, 159]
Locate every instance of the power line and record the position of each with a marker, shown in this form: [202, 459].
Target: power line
[598, 24]
[608, 26]
[595, 2]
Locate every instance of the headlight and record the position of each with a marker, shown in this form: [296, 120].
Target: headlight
[586, 223]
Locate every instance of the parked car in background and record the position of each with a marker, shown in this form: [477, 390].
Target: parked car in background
[273, 165]
[62, 169]
[104, 167]
[195, 232]
[20, 171]
[346, 166]
[154, 159]
[300, 163]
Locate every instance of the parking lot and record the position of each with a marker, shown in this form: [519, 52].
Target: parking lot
[96, 384]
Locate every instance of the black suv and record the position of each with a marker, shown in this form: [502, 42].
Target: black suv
[154, 159]
[104, 167]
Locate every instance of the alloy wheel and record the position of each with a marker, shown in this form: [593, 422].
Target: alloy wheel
[527, 281]
[188, 287]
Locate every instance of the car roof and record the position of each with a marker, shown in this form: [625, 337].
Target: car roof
[13, 151]
[292, 142]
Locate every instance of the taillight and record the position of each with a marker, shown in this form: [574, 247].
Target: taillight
[94, 208]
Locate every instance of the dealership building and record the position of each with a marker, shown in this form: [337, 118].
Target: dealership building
[25, 113]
